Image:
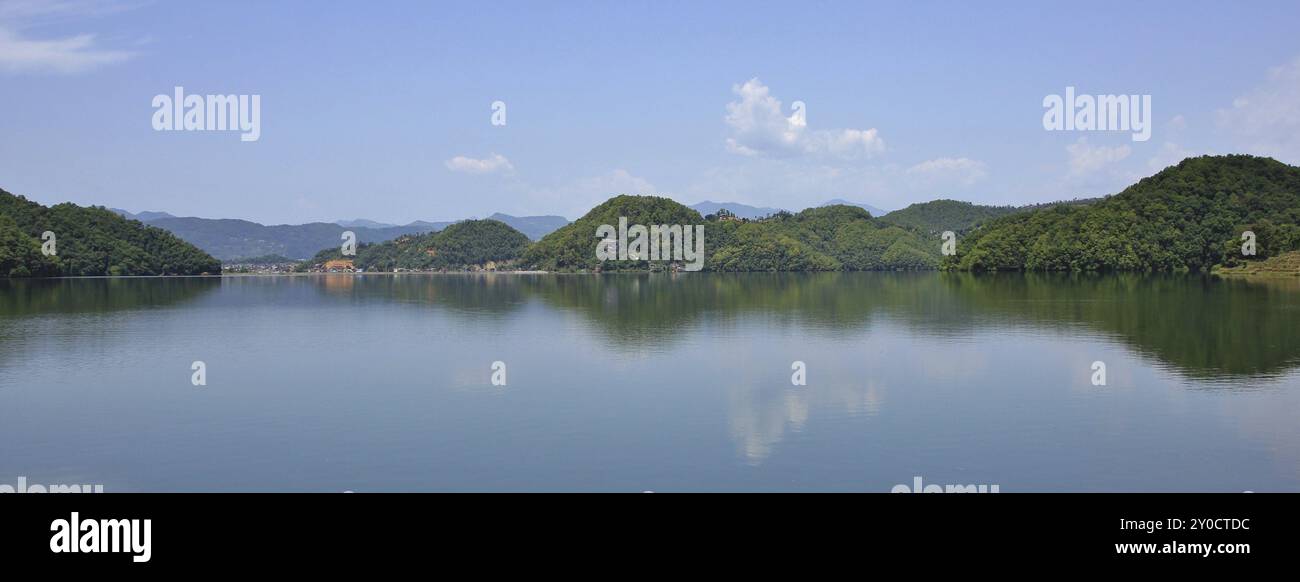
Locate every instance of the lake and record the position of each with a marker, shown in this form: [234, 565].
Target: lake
[652, 382]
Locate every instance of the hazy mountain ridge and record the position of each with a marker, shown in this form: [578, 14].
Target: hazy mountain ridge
[145, 216]
[740, 210]
[229, 239]
[364, 223]
[534, 227]
[232, 238]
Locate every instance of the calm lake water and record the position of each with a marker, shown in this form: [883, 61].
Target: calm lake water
[652, 382]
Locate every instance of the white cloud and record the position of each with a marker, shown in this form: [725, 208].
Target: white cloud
[1086, 159]
[20, 52]
[1266, 120]
[846, 143]
[962, 170]
[759, 128]
[492, 164]
[757, 124]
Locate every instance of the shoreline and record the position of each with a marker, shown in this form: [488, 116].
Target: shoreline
[1217, 273]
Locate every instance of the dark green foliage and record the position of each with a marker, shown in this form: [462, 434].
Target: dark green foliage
[20, 255]
[938, 216]
[828, 238]
[573, 247]
[755, 246]
[90, 241]
[1187, 217]
[262, 260]
[461, 245]
[1282, 265]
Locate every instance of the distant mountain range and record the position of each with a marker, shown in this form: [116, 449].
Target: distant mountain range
[364, 223]
[740, 210]
[229, 239]
[535, 227]
[746, 211]
[142, 216]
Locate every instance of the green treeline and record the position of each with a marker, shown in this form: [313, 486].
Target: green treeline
[89, 241]
[1189, 217]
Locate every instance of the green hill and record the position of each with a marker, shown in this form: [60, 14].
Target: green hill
[1187, 217]
[828, 238]
[573, 246]
[90, 241]
[943, 215]
[461, 245]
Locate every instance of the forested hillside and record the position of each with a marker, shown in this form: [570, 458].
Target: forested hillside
[90, 241]
[828, 238]
[573, 247]
[945, 215]
[1187, 217]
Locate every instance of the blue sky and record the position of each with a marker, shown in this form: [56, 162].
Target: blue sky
[383, 110]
